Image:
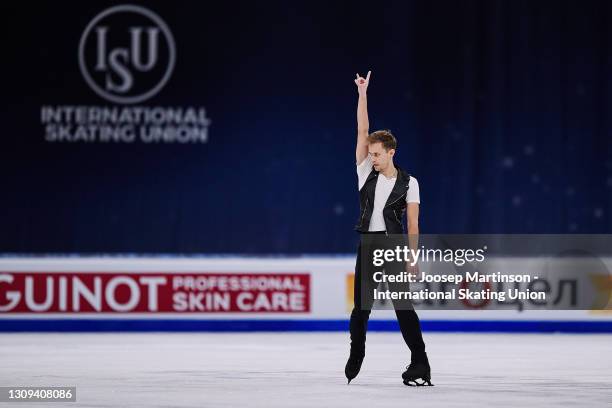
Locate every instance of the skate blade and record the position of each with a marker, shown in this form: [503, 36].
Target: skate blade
[414, 383]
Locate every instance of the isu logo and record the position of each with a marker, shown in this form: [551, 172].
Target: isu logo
[127, 54]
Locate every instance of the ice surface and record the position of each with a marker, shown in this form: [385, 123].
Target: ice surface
[307, 369]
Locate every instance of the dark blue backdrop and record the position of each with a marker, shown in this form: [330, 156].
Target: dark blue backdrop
[501, 108]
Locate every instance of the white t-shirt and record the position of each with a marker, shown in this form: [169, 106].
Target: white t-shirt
[382, 192]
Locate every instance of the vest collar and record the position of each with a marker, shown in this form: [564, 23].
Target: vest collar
[400, 187]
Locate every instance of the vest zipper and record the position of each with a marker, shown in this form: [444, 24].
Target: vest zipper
[364, 210]
[402, 196]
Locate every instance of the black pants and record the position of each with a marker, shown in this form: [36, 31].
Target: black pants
[408, 319]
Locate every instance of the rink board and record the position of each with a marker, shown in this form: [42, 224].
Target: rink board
[233, 294]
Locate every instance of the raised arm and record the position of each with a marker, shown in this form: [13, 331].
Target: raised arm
[363, 125]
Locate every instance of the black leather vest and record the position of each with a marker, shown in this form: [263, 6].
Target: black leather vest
[395, 207]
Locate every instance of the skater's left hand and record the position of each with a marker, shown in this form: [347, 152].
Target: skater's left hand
[415, 271]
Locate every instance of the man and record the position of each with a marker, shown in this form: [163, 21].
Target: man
[385, 192]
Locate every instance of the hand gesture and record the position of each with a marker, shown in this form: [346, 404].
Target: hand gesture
[362, 83]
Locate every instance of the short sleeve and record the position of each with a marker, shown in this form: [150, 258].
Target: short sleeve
[363, 171]
[413, 195]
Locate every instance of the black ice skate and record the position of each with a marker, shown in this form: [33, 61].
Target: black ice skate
[418, 370]
[353, 365]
